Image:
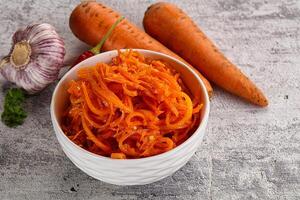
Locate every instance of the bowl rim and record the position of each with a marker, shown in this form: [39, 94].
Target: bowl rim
[202, 124]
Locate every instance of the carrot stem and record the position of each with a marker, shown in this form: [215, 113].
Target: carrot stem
[97, 48]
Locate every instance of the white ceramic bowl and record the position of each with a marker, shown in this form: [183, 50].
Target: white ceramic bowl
[132, 171]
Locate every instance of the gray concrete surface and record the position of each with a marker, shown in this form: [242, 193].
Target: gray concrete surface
[248, 152]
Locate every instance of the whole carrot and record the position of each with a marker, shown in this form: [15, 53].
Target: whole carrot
[90, 21]
[173, 28]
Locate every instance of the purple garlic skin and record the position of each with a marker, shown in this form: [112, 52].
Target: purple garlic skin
[36, 57]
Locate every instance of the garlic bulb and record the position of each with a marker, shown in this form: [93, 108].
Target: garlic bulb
[35, 58]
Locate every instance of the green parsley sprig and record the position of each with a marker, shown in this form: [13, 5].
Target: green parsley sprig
[14, 114]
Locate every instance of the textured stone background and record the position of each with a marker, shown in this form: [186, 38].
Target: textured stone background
[247, 153]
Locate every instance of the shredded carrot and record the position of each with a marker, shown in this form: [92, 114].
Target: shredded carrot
[131, 108]
[118, 155]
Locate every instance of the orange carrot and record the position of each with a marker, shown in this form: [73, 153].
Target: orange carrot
[90, 21]
[173, 28]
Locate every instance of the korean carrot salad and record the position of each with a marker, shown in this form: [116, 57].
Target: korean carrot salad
[133, 107]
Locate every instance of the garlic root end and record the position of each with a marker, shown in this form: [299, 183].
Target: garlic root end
[20, 55]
